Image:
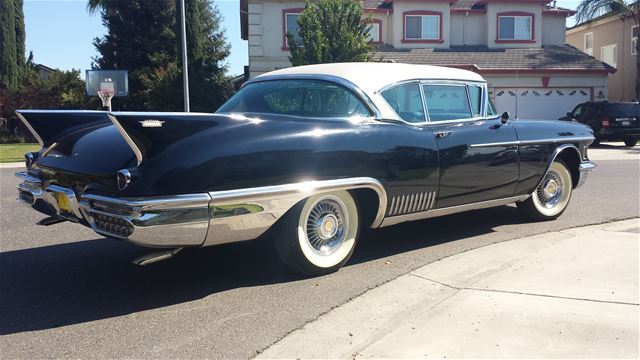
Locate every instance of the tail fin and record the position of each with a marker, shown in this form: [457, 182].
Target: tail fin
[48, 125]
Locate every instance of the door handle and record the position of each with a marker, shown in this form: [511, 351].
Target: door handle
[442, 134]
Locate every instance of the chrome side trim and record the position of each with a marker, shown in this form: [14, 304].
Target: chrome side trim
[246, 214]
[127, 138]
[534, 142]
[415, 202]
[450, 210]
[30, 128]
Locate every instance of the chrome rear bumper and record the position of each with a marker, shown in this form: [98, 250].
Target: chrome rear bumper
[173, 221]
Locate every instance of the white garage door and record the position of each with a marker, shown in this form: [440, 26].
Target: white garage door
[539, 103]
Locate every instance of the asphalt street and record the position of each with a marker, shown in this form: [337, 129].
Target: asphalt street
[67, 292]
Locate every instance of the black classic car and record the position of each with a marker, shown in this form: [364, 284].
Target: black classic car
[308, 155]
[612, 121]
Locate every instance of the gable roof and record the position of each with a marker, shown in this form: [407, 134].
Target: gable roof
[482, 59]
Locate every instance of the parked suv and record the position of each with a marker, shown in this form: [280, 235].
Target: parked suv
[613, 121]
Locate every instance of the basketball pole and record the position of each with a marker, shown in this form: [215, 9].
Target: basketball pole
[185, 70]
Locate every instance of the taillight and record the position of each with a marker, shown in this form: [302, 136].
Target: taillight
[605, 122]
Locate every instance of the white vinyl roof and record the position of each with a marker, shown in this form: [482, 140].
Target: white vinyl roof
[370, 77]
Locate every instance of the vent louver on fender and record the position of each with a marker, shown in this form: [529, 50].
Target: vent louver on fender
[410, 203]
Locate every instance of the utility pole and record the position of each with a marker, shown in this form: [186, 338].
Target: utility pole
[185, 67]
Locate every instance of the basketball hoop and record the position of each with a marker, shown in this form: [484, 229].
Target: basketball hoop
[105, 96]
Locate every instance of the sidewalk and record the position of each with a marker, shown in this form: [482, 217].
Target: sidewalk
[567, 294]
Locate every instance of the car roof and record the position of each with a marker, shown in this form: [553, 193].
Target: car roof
[371, 77]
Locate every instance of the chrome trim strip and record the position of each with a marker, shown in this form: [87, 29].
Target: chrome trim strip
[534, 142]
[25, 176]
[245, 214]
[186, 201]
[126, 137]
[450, 210]
[323, 77]
[30, 128]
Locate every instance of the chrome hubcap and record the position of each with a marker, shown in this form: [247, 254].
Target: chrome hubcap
[326, 226]
[550, 190]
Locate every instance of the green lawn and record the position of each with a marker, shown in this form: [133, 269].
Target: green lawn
[15, 152]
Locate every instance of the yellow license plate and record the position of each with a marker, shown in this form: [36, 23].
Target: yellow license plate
[63, 201]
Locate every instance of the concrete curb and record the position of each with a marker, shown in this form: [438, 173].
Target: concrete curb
[12, 165]
[565, 294]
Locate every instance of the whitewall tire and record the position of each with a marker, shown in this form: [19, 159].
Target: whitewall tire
[551, 198]
[319, 234]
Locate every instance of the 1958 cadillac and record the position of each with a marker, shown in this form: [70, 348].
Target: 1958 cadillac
[309, 155]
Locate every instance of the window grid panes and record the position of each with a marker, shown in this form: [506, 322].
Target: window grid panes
[447, 102]
[588, 43]
[374, 32]
[634, 39]
[514, 28]
[292, 27]
[422, 27]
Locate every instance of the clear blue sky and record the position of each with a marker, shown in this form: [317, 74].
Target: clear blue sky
[60, 33]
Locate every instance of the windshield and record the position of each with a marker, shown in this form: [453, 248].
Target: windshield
[301, 97]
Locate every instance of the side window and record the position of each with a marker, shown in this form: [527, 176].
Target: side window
[447, 102]
[491, 109]
[578, 110]
[475, 94]
[406, 101]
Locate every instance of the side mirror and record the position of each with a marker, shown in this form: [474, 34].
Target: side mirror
[569, 115]
[505, 117]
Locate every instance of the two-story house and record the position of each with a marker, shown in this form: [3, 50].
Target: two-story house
[517, 45]
[612, 38]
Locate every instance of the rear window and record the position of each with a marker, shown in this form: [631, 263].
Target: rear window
[622, 110]
[307, 98]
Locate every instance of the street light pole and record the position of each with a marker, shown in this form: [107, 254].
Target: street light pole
[185, 67]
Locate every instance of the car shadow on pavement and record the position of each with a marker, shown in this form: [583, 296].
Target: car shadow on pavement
[72, 283]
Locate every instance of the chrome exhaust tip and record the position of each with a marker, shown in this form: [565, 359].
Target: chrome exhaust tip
[26, 197]
[156, 257]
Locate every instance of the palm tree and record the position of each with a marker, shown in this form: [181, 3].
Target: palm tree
[590, 9]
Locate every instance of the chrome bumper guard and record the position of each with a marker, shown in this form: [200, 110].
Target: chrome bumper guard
[585, 168]
[171, 221]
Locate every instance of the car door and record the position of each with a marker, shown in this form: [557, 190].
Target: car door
[478, 155]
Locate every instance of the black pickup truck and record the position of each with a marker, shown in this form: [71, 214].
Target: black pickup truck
[613, 121]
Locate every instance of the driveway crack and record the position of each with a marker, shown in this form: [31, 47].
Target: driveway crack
[527, 294]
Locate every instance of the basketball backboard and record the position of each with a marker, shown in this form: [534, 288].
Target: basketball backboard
[115, 81]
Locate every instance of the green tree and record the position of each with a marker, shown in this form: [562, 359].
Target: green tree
[590, 9]
[143, 38]
[331, 31]
[61, 90]
[12, 47]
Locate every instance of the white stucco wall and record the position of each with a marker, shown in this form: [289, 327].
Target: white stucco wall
[468, 29]
[553, 29]
[491, 18]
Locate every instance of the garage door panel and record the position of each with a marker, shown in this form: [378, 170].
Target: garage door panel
[539, 103]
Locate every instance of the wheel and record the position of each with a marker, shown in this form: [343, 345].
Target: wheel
[631, 141]
[551, 197]
[319, 234]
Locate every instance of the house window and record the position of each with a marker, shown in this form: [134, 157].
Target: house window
[422, 26]
[515, 27]
[609, 54]
[634, 39]
[374, 31]
[588, 43]
[290, 25]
